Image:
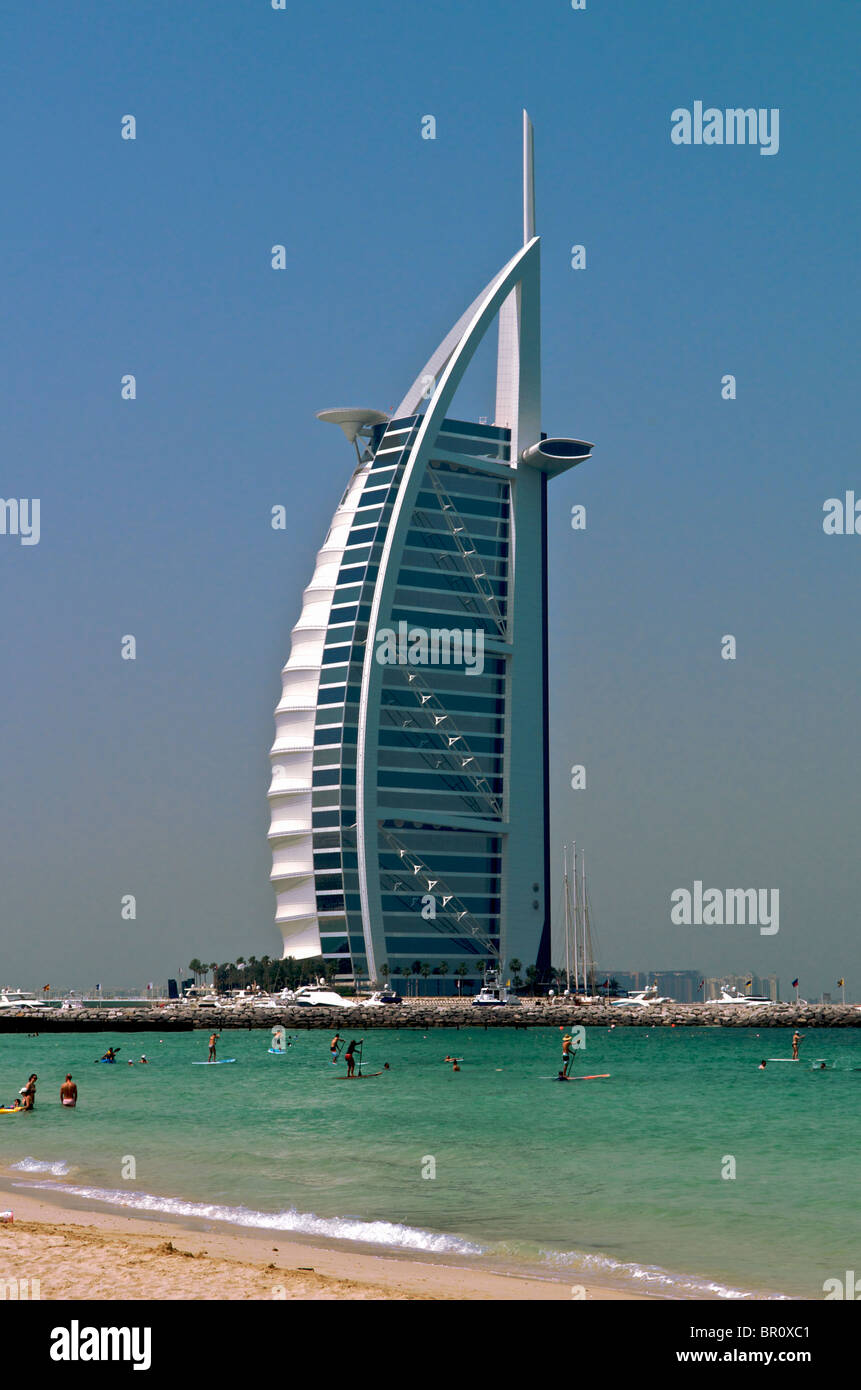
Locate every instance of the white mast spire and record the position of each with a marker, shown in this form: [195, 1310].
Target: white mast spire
[518, 379]
[528, 181]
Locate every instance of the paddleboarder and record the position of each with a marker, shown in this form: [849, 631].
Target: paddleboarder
[796, 1039]
[213, 1040]
[349, 1056]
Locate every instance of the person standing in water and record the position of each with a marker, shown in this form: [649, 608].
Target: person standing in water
[335, 1047]
[69, 1091]
[796, 1039]
[213, 1039]
[28, 1093]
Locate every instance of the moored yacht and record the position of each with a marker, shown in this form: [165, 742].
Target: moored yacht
[322, 994]
[492, 993]
[643, 998]
[730, 995]
[19, 999]
[381, 996]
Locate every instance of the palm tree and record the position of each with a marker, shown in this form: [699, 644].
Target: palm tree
[442, 968]
[515, 967]
[461, 971]
[196, 968]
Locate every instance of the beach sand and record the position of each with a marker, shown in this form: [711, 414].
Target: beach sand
[85, 1254]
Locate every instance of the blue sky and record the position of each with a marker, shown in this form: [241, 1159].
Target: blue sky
[302, 127]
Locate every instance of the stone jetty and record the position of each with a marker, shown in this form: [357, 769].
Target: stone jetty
[428, 1013]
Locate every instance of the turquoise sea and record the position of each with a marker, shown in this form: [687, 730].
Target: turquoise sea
[617, 1180]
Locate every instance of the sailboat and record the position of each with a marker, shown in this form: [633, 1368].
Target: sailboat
[578, 931]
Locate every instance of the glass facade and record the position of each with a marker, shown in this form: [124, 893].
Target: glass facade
[439, 728]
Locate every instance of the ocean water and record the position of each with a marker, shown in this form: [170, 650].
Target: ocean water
[620, 1180]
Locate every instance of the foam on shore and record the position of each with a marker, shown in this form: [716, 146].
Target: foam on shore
[387, 1233]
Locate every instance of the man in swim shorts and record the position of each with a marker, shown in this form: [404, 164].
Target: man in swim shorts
[335, 1047]
[68, 1091]
[567, 1055]
[213, 1039]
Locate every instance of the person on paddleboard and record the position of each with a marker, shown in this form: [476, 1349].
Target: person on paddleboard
[213, 1040]
[69, 1091]
[349, 1056]
[567, 1054]
[796, 1039]
[335, 1047]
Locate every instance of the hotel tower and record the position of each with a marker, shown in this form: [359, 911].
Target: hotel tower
[409, 793]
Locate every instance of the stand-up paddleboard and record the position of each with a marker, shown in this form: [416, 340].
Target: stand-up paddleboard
[599, 1076]
[278, 1051]
[362, 1076]
[814, 1061]
[222, 1062]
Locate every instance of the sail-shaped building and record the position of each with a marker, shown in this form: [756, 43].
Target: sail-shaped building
[409, 793]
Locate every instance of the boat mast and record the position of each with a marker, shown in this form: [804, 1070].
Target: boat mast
[567, 892]
[587, 934]
[576, 910]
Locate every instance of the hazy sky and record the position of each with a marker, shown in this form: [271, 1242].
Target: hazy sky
[704, 516]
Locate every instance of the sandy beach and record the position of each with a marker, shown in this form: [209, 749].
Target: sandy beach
[79, 1254]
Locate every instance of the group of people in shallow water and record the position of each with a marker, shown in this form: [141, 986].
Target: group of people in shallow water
[26, 1097]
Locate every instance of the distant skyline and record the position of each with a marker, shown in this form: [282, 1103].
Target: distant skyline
[704, 515]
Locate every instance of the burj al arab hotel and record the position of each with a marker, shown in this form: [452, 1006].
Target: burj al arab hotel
[409, 793]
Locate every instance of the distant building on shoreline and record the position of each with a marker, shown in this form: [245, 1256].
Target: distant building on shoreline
[409, 792]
